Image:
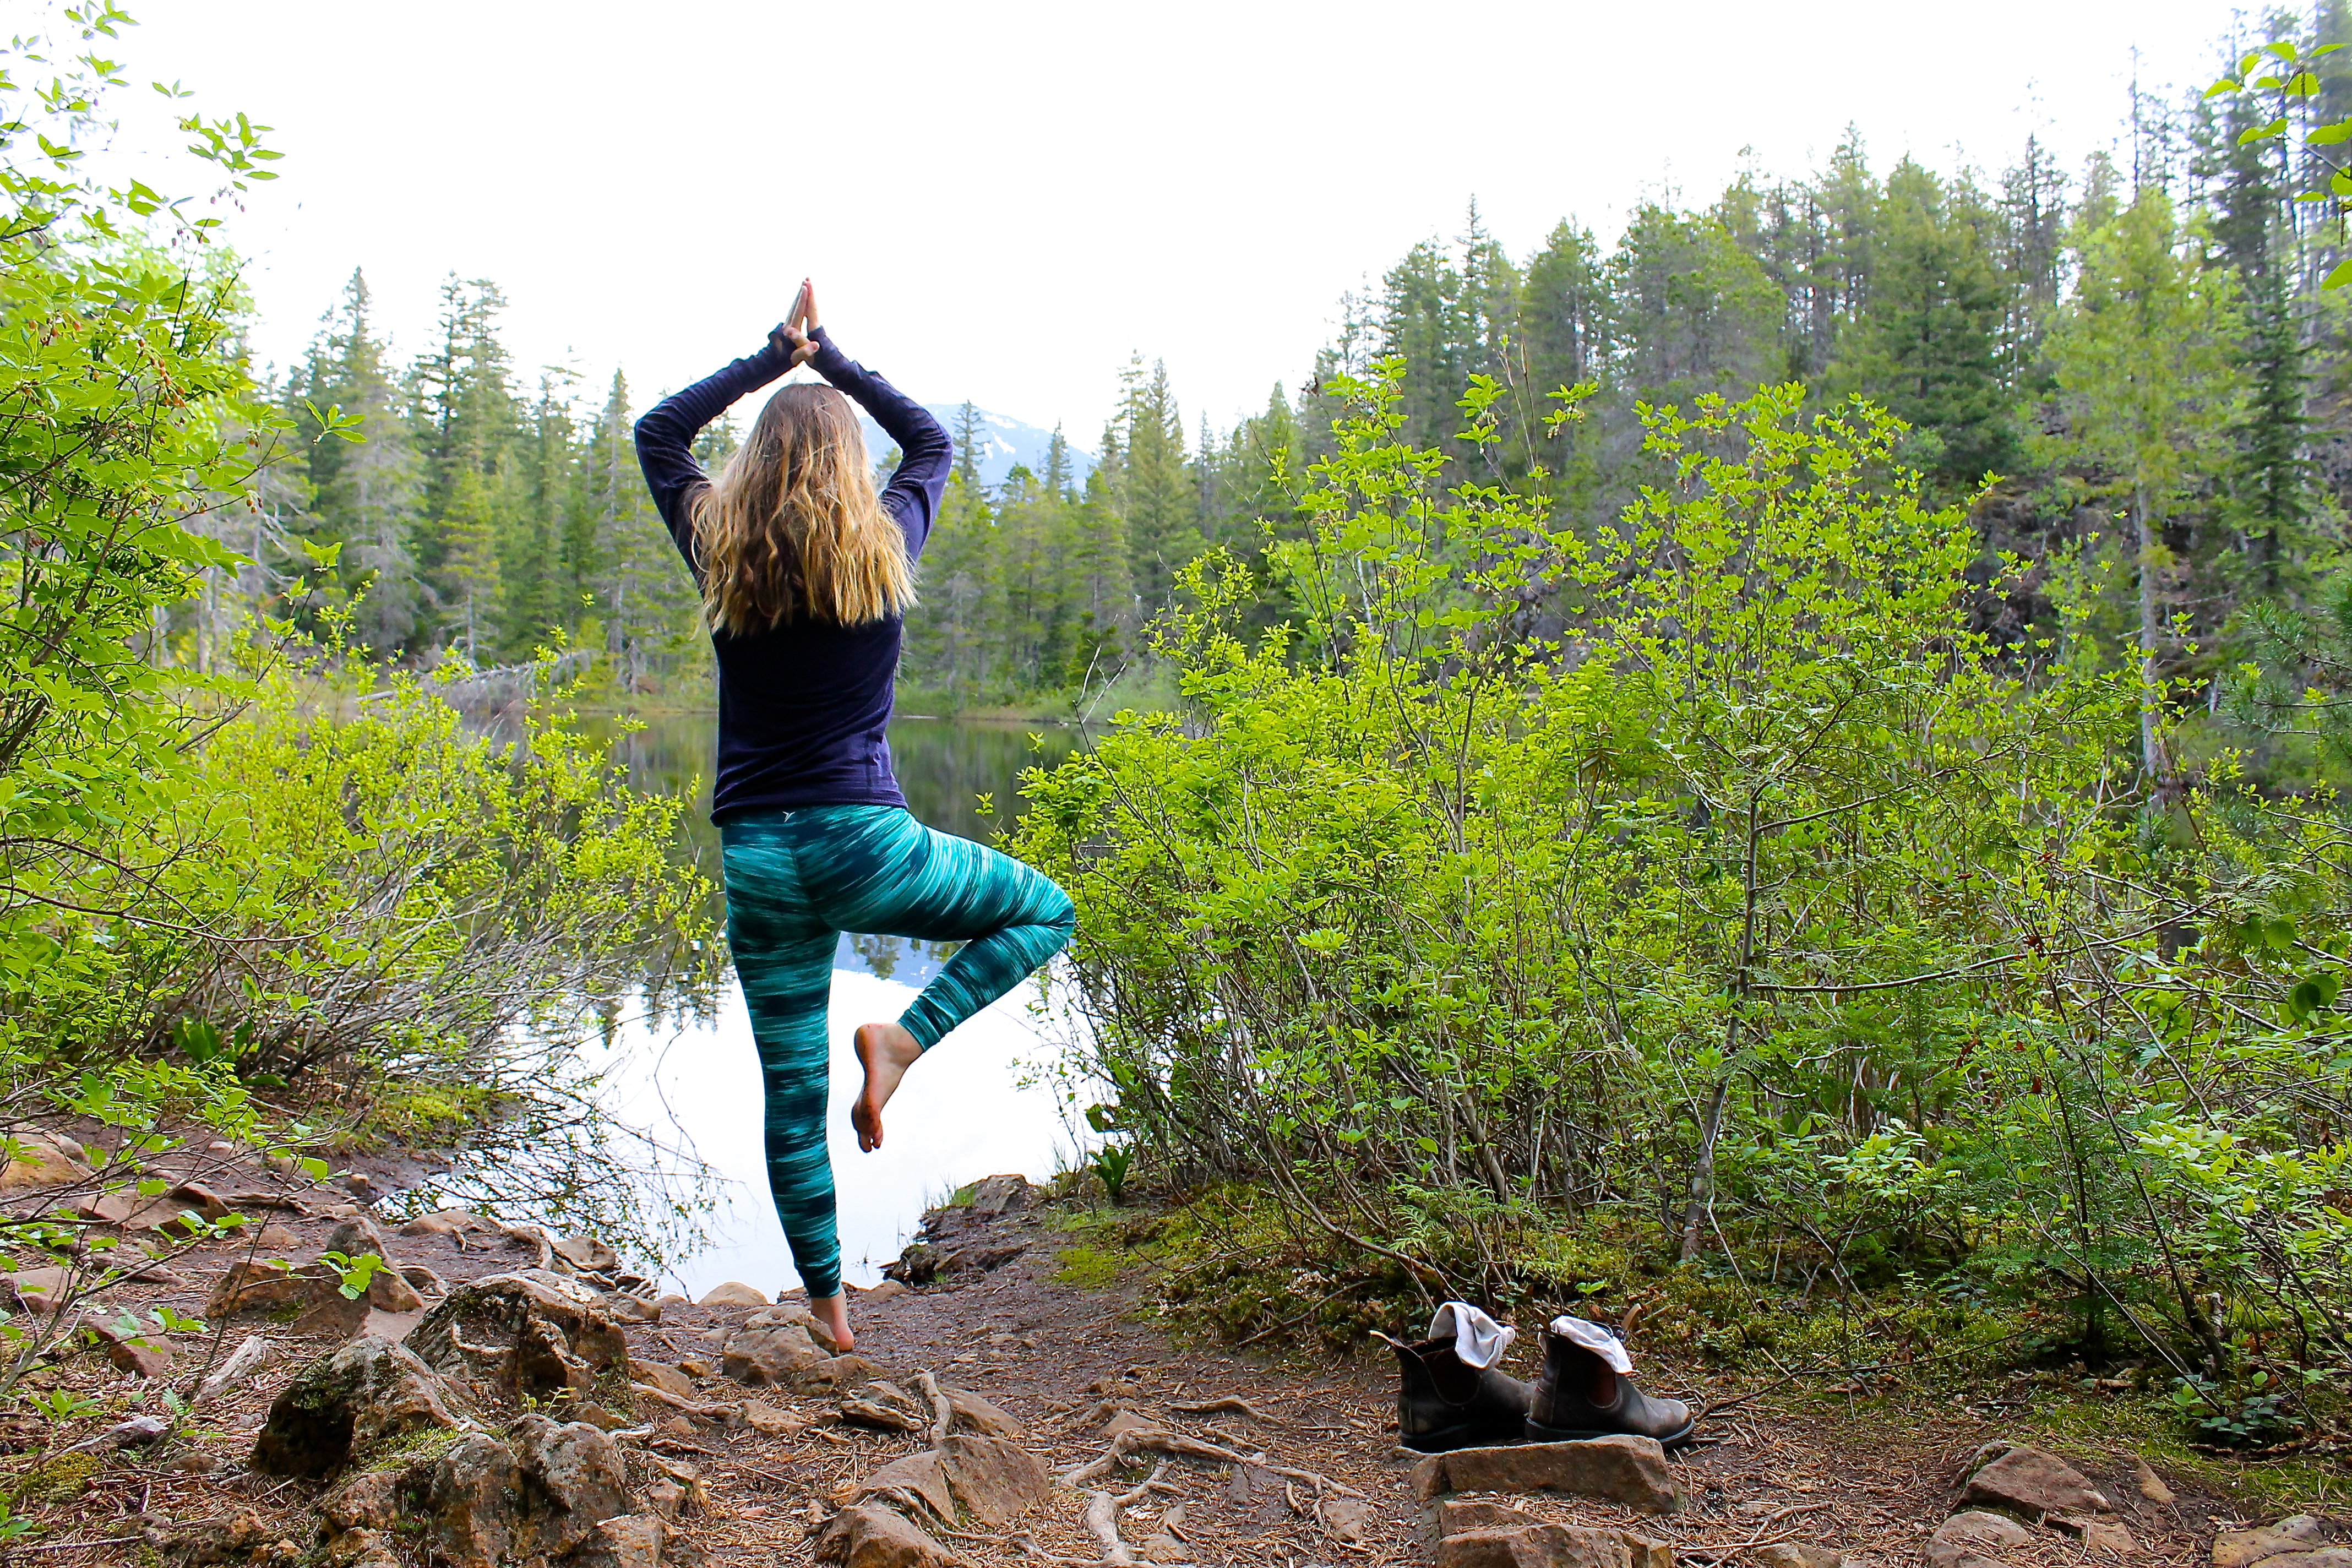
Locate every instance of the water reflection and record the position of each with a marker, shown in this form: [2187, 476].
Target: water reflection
[982, 1102]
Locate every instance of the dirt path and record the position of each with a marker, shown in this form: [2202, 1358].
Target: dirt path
[1060, 1360]
[1873, 1486]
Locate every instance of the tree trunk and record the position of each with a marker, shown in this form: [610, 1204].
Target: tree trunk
[2151, 749]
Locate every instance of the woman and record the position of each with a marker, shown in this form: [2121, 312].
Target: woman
[807, 574]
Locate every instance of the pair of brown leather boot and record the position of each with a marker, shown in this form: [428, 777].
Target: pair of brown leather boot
[1444, 1402]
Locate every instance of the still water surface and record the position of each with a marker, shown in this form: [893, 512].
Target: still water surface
[979, 1102]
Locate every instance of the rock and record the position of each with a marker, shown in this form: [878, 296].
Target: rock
[2101, 1535]
[1551, 1546]
[104, 1208]
[694, 1366]
[237, 1539]
[389, 1291]
[1000, 1194]
[917, 1265]
[529, 1333]
[359, 1185]
[603, 1417]
[35, 1290]
[829, 1371]
[1631, 1469]
[357, 1237]
[1163, 1547]
[367, 1392]
[1788, 1554]
[1455, 1515]
[2032, 1484]
[972, 1411]
[361, 1549]
[734, 1293]
[138, 1355]
[1978, 1540]
[574, 1478]
[2280, 1545]
[670, 1303]
[885, 1291]
[994, 1481]
[629, 1540]
[1348, 1519]
[197, 1198]
[39, 1160]
[879, 1537]
[663, 1377]
[2151, 1485]
[446, 1222]
[423, 1281]
[768, 1354]
[1123, 1421]
[771, 1421]
[626, 1309]
[275, 1238]
[370, 1501]
[921, 1476]
[312, 1295]
[463, 1502]
[136, 1432]
[585, 1253]
[674, 1488]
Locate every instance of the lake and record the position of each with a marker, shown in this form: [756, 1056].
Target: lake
[981, 1102]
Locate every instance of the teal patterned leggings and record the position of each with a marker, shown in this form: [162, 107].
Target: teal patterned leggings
[796, 881]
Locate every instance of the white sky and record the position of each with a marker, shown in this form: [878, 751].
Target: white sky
[1000, 202]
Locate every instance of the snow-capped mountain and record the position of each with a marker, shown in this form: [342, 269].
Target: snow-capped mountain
[1005, 441]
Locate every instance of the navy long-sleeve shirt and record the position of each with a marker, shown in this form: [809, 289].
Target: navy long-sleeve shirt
[804, 710]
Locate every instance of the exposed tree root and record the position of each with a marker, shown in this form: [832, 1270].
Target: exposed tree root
[1103, 1509]
[1211, 1406]
[942, 1409]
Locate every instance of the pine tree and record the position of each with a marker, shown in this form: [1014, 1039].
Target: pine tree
[2144, 359]
[1155, 493]
[1057, 465]
[1926, 346]
[969, 440]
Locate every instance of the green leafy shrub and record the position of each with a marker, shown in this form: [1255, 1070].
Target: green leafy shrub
[1765, 906]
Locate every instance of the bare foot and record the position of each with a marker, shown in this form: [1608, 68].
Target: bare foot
[831, 1314]
[885, 1051]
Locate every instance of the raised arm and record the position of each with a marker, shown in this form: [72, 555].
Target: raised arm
[925, 453]
[665, 434]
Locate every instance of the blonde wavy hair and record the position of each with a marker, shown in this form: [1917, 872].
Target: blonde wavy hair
[792, 526]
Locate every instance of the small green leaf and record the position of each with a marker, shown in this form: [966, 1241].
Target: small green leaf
[2327, 135]
[2339, 276]
[2226, 84]
[2303, 84]
[2263, 132]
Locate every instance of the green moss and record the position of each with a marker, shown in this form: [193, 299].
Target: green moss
[1090, 1267]
[409, 1450]
[55, 1481]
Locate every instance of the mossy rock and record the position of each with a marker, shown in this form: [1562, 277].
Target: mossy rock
[55, 1481]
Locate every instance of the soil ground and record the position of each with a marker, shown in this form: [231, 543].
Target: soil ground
[1871, 1481]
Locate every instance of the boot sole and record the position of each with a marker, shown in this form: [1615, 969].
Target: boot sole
[1445, 1440]
[1540, 1433]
